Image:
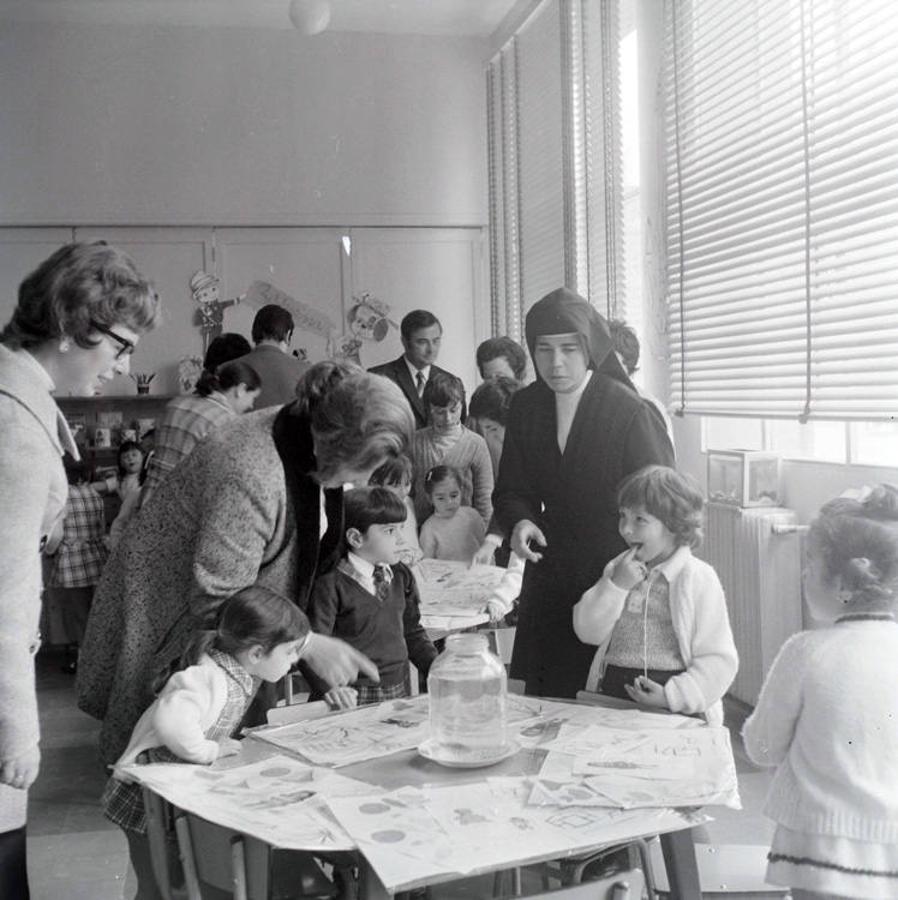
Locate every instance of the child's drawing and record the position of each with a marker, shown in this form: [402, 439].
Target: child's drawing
[368, 734]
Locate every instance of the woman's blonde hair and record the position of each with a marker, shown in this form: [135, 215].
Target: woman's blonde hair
[75, 289]
[358, 419]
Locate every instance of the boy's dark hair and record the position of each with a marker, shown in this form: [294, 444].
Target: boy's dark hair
[443, 389]
[224, 348]
[625, 342]
[415, 321]
[272, 323]
[439, 474]
[367, 506]
[494, 347]
[669, 496]
[492, 399]
[396, 470]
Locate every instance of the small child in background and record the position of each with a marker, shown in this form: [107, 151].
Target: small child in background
[76, 561]
[370, 600]
[827, 718]
[130, 467]
[453, 531]
[132, 473]
[396, 474]
[659, 614]
[260, 635]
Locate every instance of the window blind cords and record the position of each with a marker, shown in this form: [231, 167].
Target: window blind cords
[782, 140]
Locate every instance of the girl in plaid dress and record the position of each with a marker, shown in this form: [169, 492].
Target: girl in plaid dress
[260, 636]
[77, 563]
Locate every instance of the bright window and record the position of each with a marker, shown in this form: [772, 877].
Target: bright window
[858, 443]
[781, 154]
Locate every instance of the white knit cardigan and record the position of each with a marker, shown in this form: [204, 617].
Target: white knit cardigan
[700, 621]
[828, 718]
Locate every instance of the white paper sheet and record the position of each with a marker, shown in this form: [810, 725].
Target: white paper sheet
[278, 799]
[366, 733]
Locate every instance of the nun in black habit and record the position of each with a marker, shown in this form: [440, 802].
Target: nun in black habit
[572, 437]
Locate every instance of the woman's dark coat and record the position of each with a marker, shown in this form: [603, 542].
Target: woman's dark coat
[570, 496]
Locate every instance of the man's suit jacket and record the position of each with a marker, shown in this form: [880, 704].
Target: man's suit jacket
[397, 371]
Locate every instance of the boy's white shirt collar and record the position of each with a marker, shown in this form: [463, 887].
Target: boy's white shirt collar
[362, 566]
[362, 571]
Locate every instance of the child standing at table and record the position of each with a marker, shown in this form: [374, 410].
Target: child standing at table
[659, 614]
[826, 715]
[396, 474]
[453, 531]
[260, 636]
[370, 600]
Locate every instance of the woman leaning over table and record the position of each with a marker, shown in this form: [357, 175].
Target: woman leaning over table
[78, 318]
[260, 501]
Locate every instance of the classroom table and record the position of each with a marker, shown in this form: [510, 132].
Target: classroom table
[409, 769]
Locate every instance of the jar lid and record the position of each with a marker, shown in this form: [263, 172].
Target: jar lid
[467, 642]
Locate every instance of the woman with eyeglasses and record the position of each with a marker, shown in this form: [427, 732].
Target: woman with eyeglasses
[78, 318]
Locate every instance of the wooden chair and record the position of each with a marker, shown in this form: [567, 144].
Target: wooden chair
[734, 870]
[245, 868]
[622, 886]
[163, 847]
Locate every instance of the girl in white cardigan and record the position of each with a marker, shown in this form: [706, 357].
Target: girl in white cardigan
[827, 716]
[260, 636]
[658, 614]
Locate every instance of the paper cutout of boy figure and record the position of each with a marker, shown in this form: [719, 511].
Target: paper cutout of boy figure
[368, 320]
[206, 291]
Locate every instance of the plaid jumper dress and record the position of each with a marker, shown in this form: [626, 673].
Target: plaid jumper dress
[122, 801]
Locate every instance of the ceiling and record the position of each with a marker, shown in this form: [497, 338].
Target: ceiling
[429, 17]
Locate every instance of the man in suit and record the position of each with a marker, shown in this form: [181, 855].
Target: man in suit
[279, 371]
[421, 334]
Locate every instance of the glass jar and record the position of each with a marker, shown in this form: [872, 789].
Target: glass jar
[467, 688]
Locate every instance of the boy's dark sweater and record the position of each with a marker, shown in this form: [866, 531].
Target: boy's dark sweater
[388, 631]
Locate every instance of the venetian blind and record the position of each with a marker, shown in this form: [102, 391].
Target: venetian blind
[540, 144]
[553, 108]
[782, 175]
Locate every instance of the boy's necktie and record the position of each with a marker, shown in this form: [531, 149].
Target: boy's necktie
[383, 575]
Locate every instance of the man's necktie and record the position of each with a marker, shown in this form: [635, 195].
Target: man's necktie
[420, 381]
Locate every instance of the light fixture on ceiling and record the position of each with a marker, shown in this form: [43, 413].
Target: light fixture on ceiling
[310, 16]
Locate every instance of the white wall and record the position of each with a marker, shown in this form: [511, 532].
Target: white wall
[134, 125]
[187, 145]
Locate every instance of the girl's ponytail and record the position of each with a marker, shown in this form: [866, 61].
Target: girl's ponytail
[207, 384]
[201, 643]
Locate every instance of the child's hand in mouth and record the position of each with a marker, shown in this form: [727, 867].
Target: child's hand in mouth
[629, 571]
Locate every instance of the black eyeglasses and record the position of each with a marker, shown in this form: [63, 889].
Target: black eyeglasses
[127, 347]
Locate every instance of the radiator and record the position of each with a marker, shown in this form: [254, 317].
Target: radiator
[756, 553]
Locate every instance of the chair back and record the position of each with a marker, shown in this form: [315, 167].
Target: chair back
[161, 837]
[243, 866]
[627, 885]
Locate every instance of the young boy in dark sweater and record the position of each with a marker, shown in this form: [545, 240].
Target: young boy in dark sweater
[370, 599]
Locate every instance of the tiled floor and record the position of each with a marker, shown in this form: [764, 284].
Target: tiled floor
[75, 854]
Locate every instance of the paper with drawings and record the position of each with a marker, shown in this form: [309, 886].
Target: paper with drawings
[449, 588]
[279, 799]
[412, 834]
[632, 769]
[365, 733]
